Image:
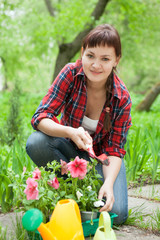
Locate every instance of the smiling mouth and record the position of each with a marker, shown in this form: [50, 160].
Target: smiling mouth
[94, 72]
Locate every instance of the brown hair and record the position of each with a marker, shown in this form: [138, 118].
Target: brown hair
[102, 35]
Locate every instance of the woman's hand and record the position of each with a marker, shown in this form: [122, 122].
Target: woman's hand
[107, 191]
[80, 137]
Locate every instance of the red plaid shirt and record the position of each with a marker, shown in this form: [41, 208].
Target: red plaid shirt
[68, 96]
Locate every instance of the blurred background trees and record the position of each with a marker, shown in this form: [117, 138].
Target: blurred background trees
[33, 34]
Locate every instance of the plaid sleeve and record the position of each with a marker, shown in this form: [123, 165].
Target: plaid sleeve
[53, 102]
[118, 134]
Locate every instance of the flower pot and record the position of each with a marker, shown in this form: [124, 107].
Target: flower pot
[88, 215]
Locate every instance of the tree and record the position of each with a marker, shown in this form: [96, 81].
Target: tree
[38, 36]
[3, 84]
[151, 96]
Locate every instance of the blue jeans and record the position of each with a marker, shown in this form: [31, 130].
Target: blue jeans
[42, 149]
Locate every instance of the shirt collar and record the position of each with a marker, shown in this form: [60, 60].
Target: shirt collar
[80, 73]
[79, 68]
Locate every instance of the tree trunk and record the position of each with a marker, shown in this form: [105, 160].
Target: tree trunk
[51, 10]
[3, 81]
[68, 50]
[146, 103]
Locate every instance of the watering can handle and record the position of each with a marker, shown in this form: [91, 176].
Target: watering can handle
[105, 220]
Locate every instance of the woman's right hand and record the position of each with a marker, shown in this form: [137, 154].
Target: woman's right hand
[80, 137]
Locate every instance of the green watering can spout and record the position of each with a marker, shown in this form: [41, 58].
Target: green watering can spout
[104, 231]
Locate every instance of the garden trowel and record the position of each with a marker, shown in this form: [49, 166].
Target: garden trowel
[103, 159]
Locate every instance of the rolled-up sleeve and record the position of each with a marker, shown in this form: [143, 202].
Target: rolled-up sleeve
[53, 102]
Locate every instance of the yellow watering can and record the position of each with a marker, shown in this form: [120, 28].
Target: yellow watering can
[65, 222]
[104, 231]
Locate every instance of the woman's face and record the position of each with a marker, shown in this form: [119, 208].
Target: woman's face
[98, 63]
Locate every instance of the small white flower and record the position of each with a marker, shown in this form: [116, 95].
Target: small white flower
[79, 194]
[89, 188]
[98, 203]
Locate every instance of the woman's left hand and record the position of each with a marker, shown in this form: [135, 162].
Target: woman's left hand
[106, 191]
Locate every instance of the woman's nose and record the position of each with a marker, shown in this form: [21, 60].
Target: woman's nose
[96, 64]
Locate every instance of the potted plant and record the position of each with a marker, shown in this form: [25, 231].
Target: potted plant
[42, 189]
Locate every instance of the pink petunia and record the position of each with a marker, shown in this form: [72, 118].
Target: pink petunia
[37, 174]
[78, 168]
[32, 189]
[54, 183]
[64, 168]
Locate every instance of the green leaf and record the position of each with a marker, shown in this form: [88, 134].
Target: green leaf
[62, 193]
[50, 194]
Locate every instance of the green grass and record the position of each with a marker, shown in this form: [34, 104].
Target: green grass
[155, 220]
[138, 218]
[143, 145]
[17, 232]
[3, 233]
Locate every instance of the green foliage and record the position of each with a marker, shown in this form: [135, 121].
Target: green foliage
[136, 155]
[142, 147]
[6, 193]
[136, 215]
[154, 144]
[14, 158]
[69, 12]
[19, 232]
[14, 120]
[13, 126]
[156, 220]
[3, 233]
[33, 47]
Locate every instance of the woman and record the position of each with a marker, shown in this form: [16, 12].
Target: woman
[95, 110]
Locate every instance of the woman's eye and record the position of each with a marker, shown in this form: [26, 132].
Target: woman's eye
[105, 59]
[89, 56]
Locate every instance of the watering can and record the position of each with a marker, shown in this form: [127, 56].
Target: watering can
[65, 222]
[104, 231]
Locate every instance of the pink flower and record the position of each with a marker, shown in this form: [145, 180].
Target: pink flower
[32, 189]
[78, 168]
[64, 168]
[37, 174]
[54, 183]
